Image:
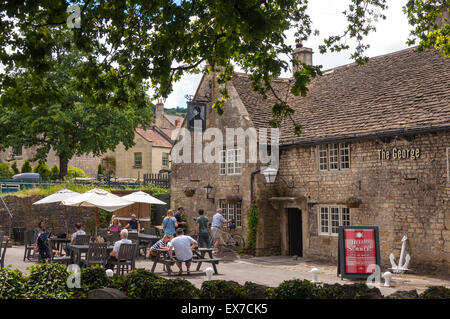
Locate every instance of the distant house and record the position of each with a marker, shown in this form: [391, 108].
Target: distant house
[150, 154]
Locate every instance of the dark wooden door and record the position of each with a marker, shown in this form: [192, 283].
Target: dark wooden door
[295, 231]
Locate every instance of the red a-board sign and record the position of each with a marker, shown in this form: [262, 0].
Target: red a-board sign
[359, 251]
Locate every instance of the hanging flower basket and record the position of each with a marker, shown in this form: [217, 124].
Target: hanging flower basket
[353, 202]
[234, 199]
[189, 191]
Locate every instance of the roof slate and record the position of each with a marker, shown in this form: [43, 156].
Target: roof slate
[404, 90]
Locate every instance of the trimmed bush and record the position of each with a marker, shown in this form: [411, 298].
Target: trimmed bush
[43, 170]
[100, 169]
[54, 173]
[48, 281]
[255, 291]
[26, 167]
[295, 289]
[141, 284]
[92, 278]
[5, 172]
[175, 289]
[354, 291]
[12, 284]
[408, 294]
[222, 289]
[436, 292]
[75, 172]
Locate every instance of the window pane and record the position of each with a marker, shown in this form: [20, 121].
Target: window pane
[333, 157]
[324, 219]
[323, 163]
[223, 160]
[230, 214]
[334, 220]
[238, 215]
[137, 159]
[345, 216]
[238, 164]
[230, 161]
[345, 155]
[165, 159]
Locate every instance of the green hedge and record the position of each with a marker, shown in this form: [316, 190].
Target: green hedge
[49, 281]
[75, 172]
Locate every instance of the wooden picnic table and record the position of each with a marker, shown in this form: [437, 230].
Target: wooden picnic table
[77, 250]
[200, 255]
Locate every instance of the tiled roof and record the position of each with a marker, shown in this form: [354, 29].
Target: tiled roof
[400, 91]
[155, 137]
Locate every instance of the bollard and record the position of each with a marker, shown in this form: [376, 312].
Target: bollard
[109, 272]
[315, 271]
[387, 279]
[209, 272]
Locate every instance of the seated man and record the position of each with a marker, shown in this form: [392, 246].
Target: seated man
[183, 246]
[134, 223]
[113, 255]
[160, 244]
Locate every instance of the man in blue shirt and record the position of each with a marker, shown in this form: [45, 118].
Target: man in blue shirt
[134, 223]
[217, 221]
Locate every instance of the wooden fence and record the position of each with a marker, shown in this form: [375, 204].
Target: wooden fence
[161, 180]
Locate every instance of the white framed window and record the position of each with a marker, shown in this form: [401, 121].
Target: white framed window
[331, 217]
[165, 159]
[230, 162]
[323, 157]
[333, 157]
[345, 155]
[232, 211]
[137, 159]
[324, 220]
[334, 162]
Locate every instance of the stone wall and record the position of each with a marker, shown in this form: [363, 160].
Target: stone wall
[402, 196]
[55, 215]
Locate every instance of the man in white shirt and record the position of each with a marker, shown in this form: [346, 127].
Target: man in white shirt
[78, 231]
[115, 252]
[217, 222]
[183, 246]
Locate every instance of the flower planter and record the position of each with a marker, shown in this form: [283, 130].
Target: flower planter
[234, 199]
[352, 205]
[189, 192]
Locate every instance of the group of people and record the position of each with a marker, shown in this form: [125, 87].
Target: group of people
[173, 221]
[173, 240]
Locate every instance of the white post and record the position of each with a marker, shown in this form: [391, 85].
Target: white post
[315, 272]
[209, 272]
[387, 279]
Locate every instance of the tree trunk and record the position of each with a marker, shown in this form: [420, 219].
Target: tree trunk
[63, 163]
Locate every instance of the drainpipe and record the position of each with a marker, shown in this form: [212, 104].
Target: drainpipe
[252, 179]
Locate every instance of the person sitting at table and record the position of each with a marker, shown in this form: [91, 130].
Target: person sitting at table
[169, 223]
[183, 246]
[134, 223]
[78, 231]
[160, 244]
[115, 226]
[112, 220]
[113, 255]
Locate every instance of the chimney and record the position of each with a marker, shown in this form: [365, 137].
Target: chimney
[301, 54]
[159, 116]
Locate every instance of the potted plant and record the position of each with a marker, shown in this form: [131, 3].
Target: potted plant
[233, 199]
[189, 191]
[353, 202]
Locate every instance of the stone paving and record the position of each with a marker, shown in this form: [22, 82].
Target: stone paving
[269, 271]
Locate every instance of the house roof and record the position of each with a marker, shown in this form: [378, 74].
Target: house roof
[173, 118]
[404, 91]
[155, 137]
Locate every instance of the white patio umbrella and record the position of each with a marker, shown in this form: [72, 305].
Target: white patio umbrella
[58, 197]
[142, 197]
[98, 198]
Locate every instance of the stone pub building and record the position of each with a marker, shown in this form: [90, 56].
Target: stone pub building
[377, 136]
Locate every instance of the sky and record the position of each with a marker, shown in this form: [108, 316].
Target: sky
[327, 17]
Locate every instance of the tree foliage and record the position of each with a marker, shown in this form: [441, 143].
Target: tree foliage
[47, 109]
[126, 43]
[26, 167]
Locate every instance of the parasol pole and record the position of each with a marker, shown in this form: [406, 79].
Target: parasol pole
[96, 223]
